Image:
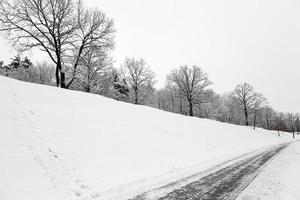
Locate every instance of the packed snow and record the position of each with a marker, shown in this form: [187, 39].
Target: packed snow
[61, 144]
[279, 180]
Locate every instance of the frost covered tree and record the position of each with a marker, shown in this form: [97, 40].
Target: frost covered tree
[23, 69]
[297, 124]
[166, 100]
[209, 107]
[140, 78]
[63, 29]
[257, 108]
[162, 99]
[176, 100]
[43, 73]
[229, 110]
[291, 123]
[248, 99]
[279, 123]
[269, 115]
[191, 82]
[93, 70]
[18, 68]
[119, 89]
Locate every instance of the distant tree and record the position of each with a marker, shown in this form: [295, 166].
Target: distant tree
[93, 70]
[257, 108]
[229, 110]
[279, 123]
[269, 115]
[171, 93]
[2, 69]
[61, 28]
[146, 94]
[297, 124]
[168, 99]
[210, 106]
[177, 100]
[162, 99]
[18, 68]
[248, 100]
[140, 78]
[43, 73]
[15, 63]
[191, 83]
[291, 122]
[120, 88]
[27, 63]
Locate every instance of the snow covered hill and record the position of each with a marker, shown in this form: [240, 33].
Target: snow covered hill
[60, 144]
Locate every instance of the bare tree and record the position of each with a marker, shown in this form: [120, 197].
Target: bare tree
[291, 122]
[269, 114]
[279, 123]
[162, 99]
[171, 94]
[165, 98]
[257, 107]
[176, 97]
[139, 77]
[58, 27]
[93, 70]
[191, 82]
[43, 73]
[297, 124]
[229, 110]
[211, 108]
[248, 100]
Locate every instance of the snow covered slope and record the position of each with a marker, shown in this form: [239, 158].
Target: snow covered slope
[60, 144]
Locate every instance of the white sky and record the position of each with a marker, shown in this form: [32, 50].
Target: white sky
[257, 41]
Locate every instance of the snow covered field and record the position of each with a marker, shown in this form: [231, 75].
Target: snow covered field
[60, 144]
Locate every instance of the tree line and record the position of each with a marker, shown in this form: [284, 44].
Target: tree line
[79, 42]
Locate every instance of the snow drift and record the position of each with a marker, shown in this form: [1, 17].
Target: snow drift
[61, 144]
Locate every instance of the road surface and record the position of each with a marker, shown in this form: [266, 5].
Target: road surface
[225, 184]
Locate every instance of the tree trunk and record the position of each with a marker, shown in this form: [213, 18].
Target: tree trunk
[60, 76]
[191, 108]
[262, 121]
[268, 123]
[180, 105]
[136, 93]
[57, 76]
[172, 103]
[87, 89]
[62, 79]
[246, 117]
[254, 122]
[159, 103]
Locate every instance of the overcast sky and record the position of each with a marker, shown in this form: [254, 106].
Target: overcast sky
[257, 41]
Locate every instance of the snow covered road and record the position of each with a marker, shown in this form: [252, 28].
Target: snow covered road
[226, 183]
[279, 180]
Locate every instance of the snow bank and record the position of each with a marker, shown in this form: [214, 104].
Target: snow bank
[61, 144]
